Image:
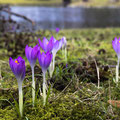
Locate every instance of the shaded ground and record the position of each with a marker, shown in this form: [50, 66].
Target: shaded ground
[74, 94]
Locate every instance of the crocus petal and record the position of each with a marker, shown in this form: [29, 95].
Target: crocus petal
[116, 46]
[31, 54]
[50, 45]
[57, 46]
[44, 60]
[47, 60]
[45, 43]
[52, 39]
[21, 69]
[28, 51]
[18, 68]
[41, 44]
[34, 52]
[41, 59]
[61, 42]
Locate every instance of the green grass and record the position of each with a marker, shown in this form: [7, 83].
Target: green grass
[90, 3]
[95, 3]
[74, 95]
[31, 2]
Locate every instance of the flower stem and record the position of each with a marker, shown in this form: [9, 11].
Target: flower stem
[62, 51]
[20, 100]
[51, 68]
[118, 65]
[33, 87]
[98, 75]
[53, 62]
[117, 71]
[44, 89]
[66, 54]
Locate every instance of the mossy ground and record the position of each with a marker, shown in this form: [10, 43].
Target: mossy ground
[74, 93]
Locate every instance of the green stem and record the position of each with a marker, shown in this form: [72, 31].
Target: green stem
[62, 51]
[20, 100]
[66, 54]
[33, 87]
[118, 64]
[53, 63]
[44, 89]
[98, 75]
[117, 71]
[50, 68]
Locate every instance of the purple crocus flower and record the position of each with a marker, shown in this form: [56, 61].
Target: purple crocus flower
[57, 45]
[46, 45]
[44, 60]
[64, 41]
[57, 30]
[116, 46]
[18, 68]
[31, 54]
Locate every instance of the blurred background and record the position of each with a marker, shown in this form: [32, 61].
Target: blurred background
[65, 14]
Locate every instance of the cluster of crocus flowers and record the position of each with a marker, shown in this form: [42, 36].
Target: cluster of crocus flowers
[46, 59]
[18, 68]
[116, 47]
[53, 46]
[32, 54]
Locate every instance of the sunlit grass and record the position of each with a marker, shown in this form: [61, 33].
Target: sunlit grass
[60, 2]
[31, 2]
[95, 3]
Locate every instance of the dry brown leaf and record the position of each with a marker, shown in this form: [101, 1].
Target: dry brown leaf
[115, 103]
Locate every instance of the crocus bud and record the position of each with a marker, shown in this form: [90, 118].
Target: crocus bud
[57, 30]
